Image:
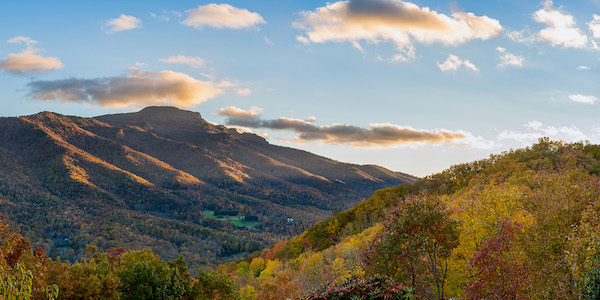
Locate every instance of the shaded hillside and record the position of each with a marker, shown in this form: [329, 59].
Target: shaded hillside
[166, 179]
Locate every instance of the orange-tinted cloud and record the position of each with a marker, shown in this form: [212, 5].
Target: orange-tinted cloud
[222, 16]
[238, 113]
[139, 88]
[400, 22]
[28, 60]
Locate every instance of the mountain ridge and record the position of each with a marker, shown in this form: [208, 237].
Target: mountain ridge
[62, 175]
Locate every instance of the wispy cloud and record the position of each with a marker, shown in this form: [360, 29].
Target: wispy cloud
[583, 99]
[123, 22]
[454, 63]
[403, 23]
[508, 59]
[29, 60]
[195, 62]
[138, 88]
[22, 40]
[583, 68]
[561, 27]
[536, 129]
[222, 16]
[383, 134]
[244, 92]
[166, 15]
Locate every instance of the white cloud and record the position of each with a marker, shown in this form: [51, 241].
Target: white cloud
[535, 130]
[400, 22]
[139, 88]
[454, 63]
[238, 113]
[509, 59]
[243, 92]
[195, 62]
[123, 22]
[561, 30]
[583, 99]
[222, 16]
[28, 60]
[584, 68]
[594, 26]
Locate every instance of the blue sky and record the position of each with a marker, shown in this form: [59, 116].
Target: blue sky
[412, 86]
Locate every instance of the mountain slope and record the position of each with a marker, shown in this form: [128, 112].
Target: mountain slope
[160, 178]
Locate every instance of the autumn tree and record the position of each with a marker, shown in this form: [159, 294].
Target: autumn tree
[499, 274]
[414, 244]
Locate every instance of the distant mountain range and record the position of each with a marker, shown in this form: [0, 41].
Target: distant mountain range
[166, 179]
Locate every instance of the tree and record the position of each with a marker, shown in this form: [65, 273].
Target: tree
[414, 244]
[215, 286]
[498, 274]
[144, 275]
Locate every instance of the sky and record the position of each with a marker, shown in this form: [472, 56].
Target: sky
[414, 86]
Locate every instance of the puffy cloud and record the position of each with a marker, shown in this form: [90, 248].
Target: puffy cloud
[400, 22]
[139, 88]
[594, 26]
[561, 30]
[376, 135]
[535, 130]
[28, 60]
[583, 99]
[123, 22]
[238, 113]
[222, 16]
[509, 59]
[454, 63]
[195, 62]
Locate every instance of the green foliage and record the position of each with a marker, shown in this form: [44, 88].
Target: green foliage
[144, 275]
[591, 286]
[16, 284]
[212, 285]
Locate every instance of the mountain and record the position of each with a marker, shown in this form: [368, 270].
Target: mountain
[166, 179]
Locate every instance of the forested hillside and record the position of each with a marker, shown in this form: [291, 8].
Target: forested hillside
[167, 180]
[520, 225]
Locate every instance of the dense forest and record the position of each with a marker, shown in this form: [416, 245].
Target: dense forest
[519, 225]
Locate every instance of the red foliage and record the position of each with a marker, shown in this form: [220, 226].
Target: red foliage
[496, 276]
[40, 253]
[115, 254]
[16, 245]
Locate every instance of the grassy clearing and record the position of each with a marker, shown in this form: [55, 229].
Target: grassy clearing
[236, 220]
